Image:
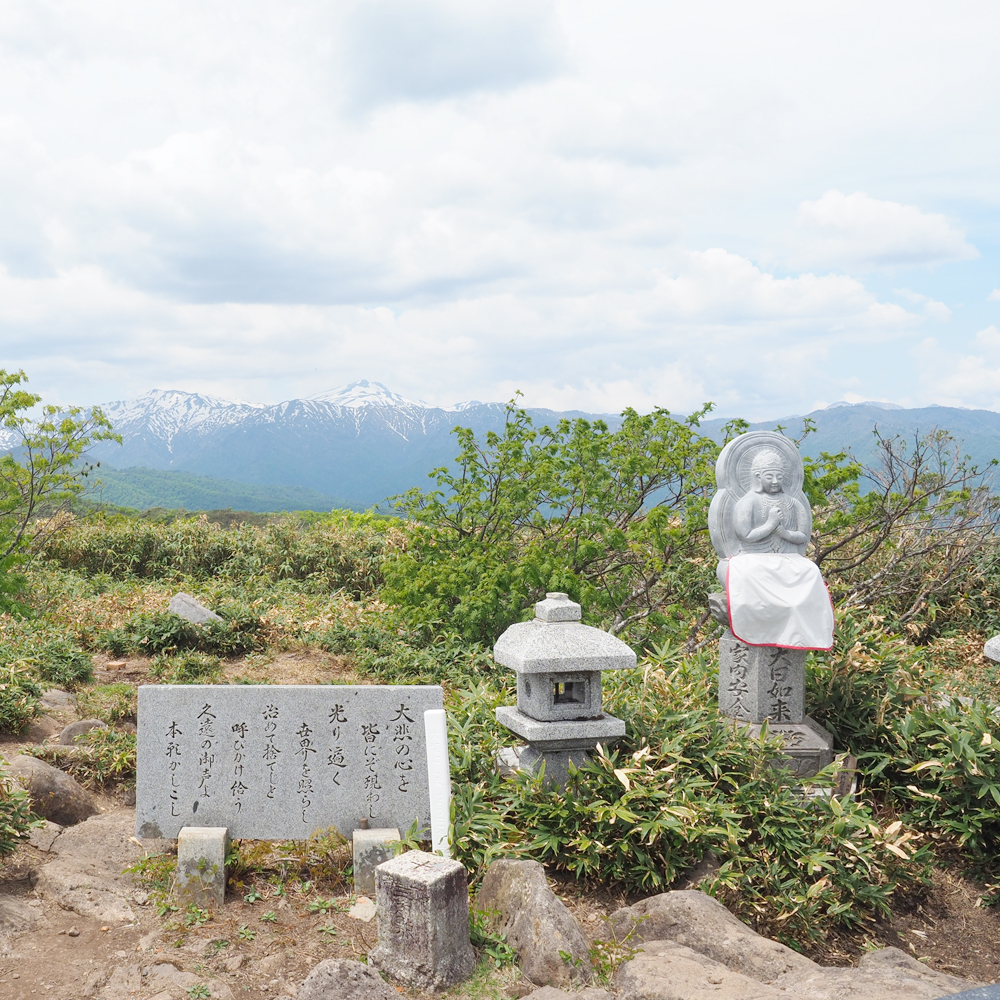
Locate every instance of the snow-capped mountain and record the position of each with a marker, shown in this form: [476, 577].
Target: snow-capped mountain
[361, 441]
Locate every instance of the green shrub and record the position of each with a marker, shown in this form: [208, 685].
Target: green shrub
[185, 668]
[341, 550]
[942, 769]
[16, 819]
[62, 662]
[111, 703]
[19, 697]
[100, 757]
[163, 632]
[867, 683]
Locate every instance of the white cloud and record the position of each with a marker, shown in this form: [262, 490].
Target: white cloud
[994, 296]
[955, 378]
[848, 231]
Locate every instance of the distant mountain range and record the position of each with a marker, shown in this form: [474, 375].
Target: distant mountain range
[357, 445]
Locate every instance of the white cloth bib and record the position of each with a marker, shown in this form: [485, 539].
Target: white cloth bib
[778, 599]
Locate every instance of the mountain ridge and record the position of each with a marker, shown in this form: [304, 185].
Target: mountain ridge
[361, 443]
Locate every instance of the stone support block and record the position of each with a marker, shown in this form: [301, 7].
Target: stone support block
[423, 921]
[808, 746]
[201, 866]
[758, 683]
[371, 849]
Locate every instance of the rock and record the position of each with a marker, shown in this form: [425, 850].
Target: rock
[992, 648]
[363, 909]
[54, 794]
[124, 981]
[16, 916]
[42, 838]
[41, 730]
[537, 925]
[694, 919]
[233, 964]
[86, 876]
[882, 973]
[167, 972]
[665, 970]
[75, 730]
[57, 700]
[552, 993]
[345, 979]
[186, 607]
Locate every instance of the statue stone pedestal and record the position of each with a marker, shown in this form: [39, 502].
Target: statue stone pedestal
[759, 684]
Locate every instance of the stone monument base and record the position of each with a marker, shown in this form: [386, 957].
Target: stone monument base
[808, 746]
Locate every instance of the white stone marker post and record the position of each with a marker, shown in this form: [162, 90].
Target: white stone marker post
[438, 778]
[201, 866]
[422, 901]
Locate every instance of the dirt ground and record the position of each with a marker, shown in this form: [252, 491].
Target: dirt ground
[263, 948]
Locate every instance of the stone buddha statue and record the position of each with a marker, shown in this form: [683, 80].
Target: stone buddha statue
[766, 518]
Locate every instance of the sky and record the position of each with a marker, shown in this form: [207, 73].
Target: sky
[770, 206]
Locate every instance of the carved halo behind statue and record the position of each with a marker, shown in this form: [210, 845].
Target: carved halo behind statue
[760, 524]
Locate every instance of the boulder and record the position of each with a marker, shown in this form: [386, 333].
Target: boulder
[880, 974]
[345, 979]
[665, 970]
[57, 700]
[42, 838]
[54, 794]
[75, 730]
[186, 607]
[694, 919]
[87, 875]
[17, 916]
[536, 923]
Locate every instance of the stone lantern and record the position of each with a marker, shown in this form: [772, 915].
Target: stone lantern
[558, 662]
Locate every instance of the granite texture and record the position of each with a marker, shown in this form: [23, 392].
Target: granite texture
[277, 762]
[423, 921]
[992, 648]
[761, 682]
[371, 848]
[557, 607]
[187, 607]
[201, 866]
[560, 697]
[737, 475]
[565, 735]
[540, 647]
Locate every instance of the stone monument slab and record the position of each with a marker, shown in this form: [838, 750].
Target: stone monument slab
[761, 682]
[279, 762]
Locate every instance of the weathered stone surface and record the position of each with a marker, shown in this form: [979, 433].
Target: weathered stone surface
[694, 919]
[54, 794]
[761, 682]
[539, 647]
[190, 609]
[992, 648]
[553, 993]
[554, 697]
[371, 848]
[17, 916]
[423, 921]
[344, 979]
[537, 924]
[562, 735]
[666, 970]
[880, 974]
[808, 746]
[201, 866]
[42, 838]
[57, 700]
[86, 875]
[282, 761]
[75, 730]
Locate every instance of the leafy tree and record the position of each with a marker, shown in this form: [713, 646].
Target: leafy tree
[42, 471]
[617, 519]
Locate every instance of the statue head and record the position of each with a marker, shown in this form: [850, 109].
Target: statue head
[767, 472]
